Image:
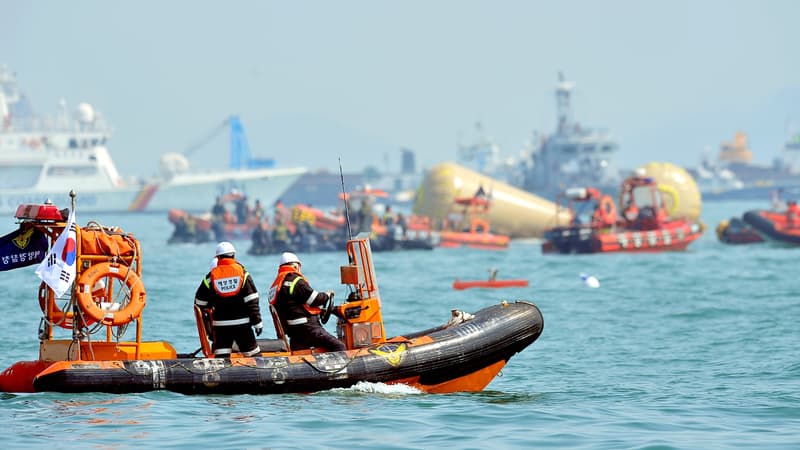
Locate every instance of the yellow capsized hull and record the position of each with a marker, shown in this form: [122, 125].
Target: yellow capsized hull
[513, 212]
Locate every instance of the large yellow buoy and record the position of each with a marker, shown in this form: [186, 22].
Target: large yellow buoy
[679, 190]
[512, 212]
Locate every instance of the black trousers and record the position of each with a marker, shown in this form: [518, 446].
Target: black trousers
[312, 334]
[225, 336]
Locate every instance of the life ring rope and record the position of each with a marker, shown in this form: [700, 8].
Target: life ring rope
[134, 294]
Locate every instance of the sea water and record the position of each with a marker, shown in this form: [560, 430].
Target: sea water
[688, 350]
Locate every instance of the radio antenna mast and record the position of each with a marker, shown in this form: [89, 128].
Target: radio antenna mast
[344, 198]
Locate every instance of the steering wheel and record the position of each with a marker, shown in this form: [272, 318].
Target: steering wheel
[327, 310]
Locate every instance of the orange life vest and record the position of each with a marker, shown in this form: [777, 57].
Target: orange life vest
[793, 214]
[631, 212]
[227, 278]
[283, 271]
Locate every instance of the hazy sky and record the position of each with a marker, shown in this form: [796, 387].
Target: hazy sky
[316, 81]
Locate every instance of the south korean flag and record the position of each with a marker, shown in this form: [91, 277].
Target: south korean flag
[58, 267]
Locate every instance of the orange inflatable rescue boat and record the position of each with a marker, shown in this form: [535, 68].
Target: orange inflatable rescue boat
[462, 355]
[469, 225]
[781, 227]
[644, 225]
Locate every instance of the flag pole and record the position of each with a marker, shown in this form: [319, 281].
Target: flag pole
[76, 313]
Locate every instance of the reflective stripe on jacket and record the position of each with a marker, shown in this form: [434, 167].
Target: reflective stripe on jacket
[232, 305]
[293, 297]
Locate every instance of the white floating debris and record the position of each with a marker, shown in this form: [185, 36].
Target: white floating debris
[590, 280]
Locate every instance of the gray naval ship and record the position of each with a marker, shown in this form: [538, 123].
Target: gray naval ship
[572, 156]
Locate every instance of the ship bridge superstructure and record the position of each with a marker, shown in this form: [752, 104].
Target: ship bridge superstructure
[573, 155]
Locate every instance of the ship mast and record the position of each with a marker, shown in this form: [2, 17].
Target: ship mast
[8, 95]
[563, 106]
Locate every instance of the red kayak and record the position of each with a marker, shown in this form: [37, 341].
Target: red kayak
[460, 285]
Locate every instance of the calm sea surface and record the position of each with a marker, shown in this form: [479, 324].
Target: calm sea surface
[691, 350]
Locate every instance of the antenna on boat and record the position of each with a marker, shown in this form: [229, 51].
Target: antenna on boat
[344, 198]
[350, 258]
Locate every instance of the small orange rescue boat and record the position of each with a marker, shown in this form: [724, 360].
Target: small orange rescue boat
[776, 226]
[462, 355]
[645, 225]
[199, 228]
[472, 228]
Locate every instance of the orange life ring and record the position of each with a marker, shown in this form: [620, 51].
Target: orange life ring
[606, 213]
[59, 317]
[137, 295]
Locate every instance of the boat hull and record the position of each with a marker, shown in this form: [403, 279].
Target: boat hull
[204, 229]
[773, 226]
[93, 201]
[751, 193]
[578, 239]
[514, 212]
[735, 231]
[193, 194]
[464, 357]
[481, 241]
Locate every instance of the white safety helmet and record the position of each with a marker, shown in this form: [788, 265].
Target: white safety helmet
[225, 248]
[289, 257]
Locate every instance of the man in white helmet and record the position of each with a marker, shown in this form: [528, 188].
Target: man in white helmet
[298, 306]
[229, 292]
